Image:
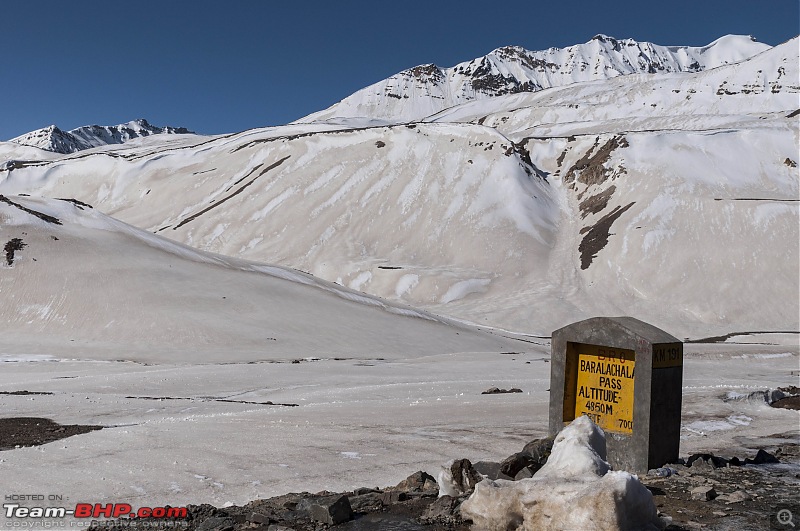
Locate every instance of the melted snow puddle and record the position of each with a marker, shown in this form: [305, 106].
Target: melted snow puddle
[355, 455]
[703, 427]
[763, 356]
[790, 471]
[384, 522]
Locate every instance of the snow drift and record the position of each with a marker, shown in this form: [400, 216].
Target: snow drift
[82, 284]
[575, 489]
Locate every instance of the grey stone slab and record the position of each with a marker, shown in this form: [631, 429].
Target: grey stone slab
[631, 376]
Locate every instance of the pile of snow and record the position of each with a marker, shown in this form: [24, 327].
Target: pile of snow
[575, 489]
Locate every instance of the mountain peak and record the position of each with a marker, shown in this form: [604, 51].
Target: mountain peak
[425, 73]
[51, 138]
[427, 89]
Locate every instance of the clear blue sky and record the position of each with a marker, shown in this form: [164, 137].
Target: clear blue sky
[225, 66]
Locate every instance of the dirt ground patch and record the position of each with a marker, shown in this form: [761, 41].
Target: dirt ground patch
[17, 432]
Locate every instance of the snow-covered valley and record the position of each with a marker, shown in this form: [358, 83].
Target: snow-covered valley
[320, 305]
[202, 433]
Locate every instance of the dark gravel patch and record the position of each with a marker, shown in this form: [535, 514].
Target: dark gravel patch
[17, 432]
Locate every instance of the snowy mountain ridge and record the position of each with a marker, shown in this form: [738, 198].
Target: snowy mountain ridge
[522, 212]
[88, 136]
[423, 90]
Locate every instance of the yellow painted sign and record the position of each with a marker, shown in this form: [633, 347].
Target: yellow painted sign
[604, 387]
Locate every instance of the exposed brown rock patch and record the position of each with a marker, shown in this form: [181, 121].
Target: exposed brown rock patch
[12, 246]
[596, 236]
[590, 168]
[790, 402]
[44, 217]
[238, 191]
[597, 202]
[425, 73]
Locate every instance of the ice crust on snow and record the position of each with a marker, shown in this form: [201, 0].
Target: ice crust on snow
[575, 489]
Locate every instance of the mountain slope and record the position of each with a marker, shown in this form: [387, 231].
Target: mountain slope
[366, 208]
[76, 280]
[54, 139]
[427, 89]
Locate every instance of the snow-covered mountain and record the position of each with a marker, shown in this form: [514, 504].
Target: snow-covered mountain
[56, 140]
[673, 197]
[668, 196]
[427, 89]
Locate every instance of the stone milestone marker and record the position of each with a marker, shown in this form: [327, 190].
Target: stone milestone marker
[626, 375]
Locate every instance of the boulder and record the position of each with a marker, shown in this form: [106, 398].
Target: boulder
[442, 510]
[525, 473]
[418, 482]
[498, 391]
[331, 510]
[762, 458]
[457, 478]
[392, 497]
[703, 493]
[368, 502]
[217, 523]
[524, 464]
[539, 449]
[512, 465]
[259, 518]
[489, 470]
[707, 461]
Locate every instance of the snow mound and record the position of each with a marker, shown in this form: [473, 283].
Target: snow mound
[575, 489]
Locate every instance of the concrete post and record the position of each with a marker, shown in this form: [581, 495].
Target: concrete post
[627, 376]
